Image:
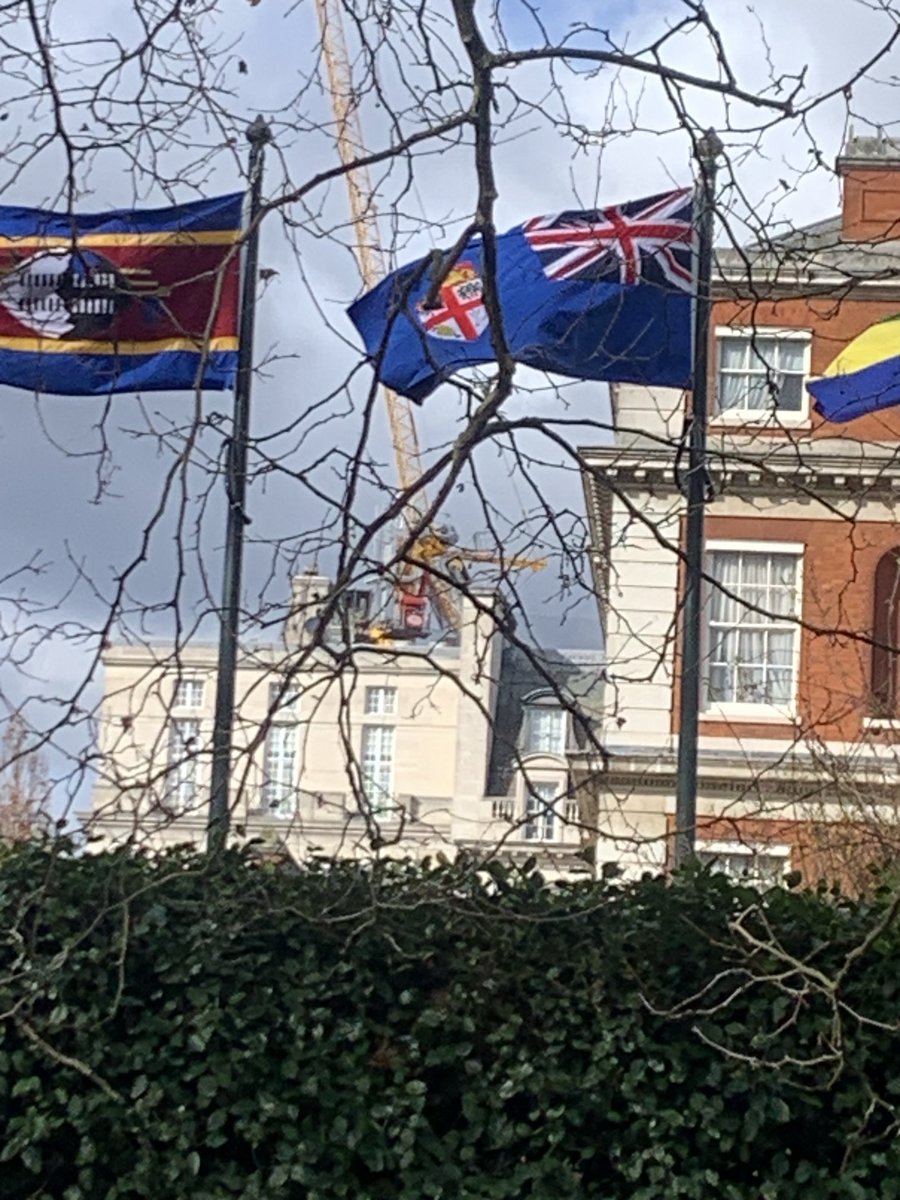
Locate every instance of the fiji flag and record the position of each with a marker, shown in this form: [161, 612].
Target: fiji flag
[602, 294]
[120, 301]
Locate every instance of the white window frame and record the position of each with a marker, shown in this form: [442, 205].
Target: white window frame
[755, 416]
[380, 700]
[182, 782]
[748, 850]
[541, 817]
[279, 787]
[190, 684]
[378, 779]
[743, 710]
[538, 705]
[284, 703]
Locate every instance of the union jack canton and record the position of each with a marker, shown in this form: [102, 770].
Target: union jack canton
[650, 241]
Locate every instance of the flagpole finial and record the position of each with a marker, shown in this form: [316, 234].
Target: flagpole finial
[259, 132]
[709, 147]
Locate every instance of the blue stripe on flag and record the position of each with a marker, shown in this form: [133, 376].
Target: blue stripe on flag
[98, 375]
[221, 212]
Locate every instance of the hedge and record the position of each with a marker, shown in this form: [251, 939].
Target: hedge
[175, 1029]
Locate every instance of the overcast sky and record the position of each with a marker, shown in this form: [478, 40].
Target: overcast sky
[81, 479]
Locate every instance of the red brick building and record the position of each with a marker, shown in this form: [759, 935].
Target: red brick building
[800, 722]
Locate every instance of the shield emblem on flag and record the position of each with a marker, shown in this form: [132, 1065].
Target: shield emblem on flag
[64, 293]
[459, 314]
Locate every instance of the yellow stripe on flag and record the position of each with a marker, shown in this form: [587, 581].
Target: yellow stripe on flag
[171, 237]
[62, 346]
[873, 345]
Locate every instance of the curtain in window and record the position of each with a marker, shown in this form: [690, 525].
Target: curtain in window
[751, 636]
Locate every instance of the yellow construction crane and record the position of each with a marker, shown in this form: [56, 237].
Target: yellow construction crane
[437, 545]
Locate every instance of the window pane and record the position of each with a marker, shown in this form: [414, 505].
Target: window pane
[731, 391]
[184, 745]
[759, 394]
[792, 354]
[751, 646]
[784, 569]
[733, 353]
[377, 763]
[722, 645]
[751, 685]
[539, 810]
[280, 763]
[763, 352]
[188, 693]
[790, 395]
[546, 728]
[381, 701]
[755, 608]
[780, 687]
[721, 684]
[725, 566]
[781, 647]
[283, 699]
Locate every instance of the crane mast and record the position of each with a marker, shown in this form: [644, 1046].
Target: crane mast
[371, 261]
[369, 254]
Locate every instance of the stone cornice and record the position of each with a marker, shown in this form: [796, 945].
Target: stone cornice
[776, 465]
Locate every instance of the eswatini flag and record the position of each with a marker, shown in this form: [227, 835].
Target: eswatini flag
[123, 301]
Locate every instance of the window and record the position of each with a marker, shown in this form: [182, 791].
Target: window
[188, 693]
[885, 635]
[540, 816]
[752, 630]
[761, 371]
[278, 769]
[378, 766]
[545, 729]
[381, 701]
[283, 701]
[747, 864]
[182, 778]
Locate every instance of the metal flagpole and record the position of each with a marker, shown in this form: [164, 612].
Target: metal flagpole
[708, 149]
[236, 482]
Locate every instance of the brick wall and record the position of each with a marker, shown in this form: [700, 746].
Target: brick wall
[871, 204]
[834, 323]
[838, 579]
[841, 852]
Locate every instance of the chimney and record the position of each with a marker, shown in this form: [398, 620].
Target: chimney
[308, 595]
[869, 170]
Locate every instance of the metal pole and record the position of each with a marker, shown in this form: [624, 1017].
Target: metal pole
[236, 482]
[708, 149]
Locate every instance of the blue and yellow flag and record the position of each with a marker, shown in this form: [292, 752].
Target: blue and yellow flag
[122, 301]
[864, 377]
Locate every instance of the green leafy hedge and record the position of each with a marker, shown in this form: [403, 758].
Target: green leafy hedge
[175, 1030]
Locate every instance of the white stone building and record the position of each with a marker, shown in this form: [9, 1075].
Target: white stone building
[344, 749]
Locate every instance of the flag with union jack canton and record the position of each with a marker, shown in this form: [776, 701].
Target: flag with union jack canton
[599, 294]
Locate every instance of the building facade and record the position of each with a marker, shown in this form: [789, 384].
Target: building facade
[800, 718]
[353, 747]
